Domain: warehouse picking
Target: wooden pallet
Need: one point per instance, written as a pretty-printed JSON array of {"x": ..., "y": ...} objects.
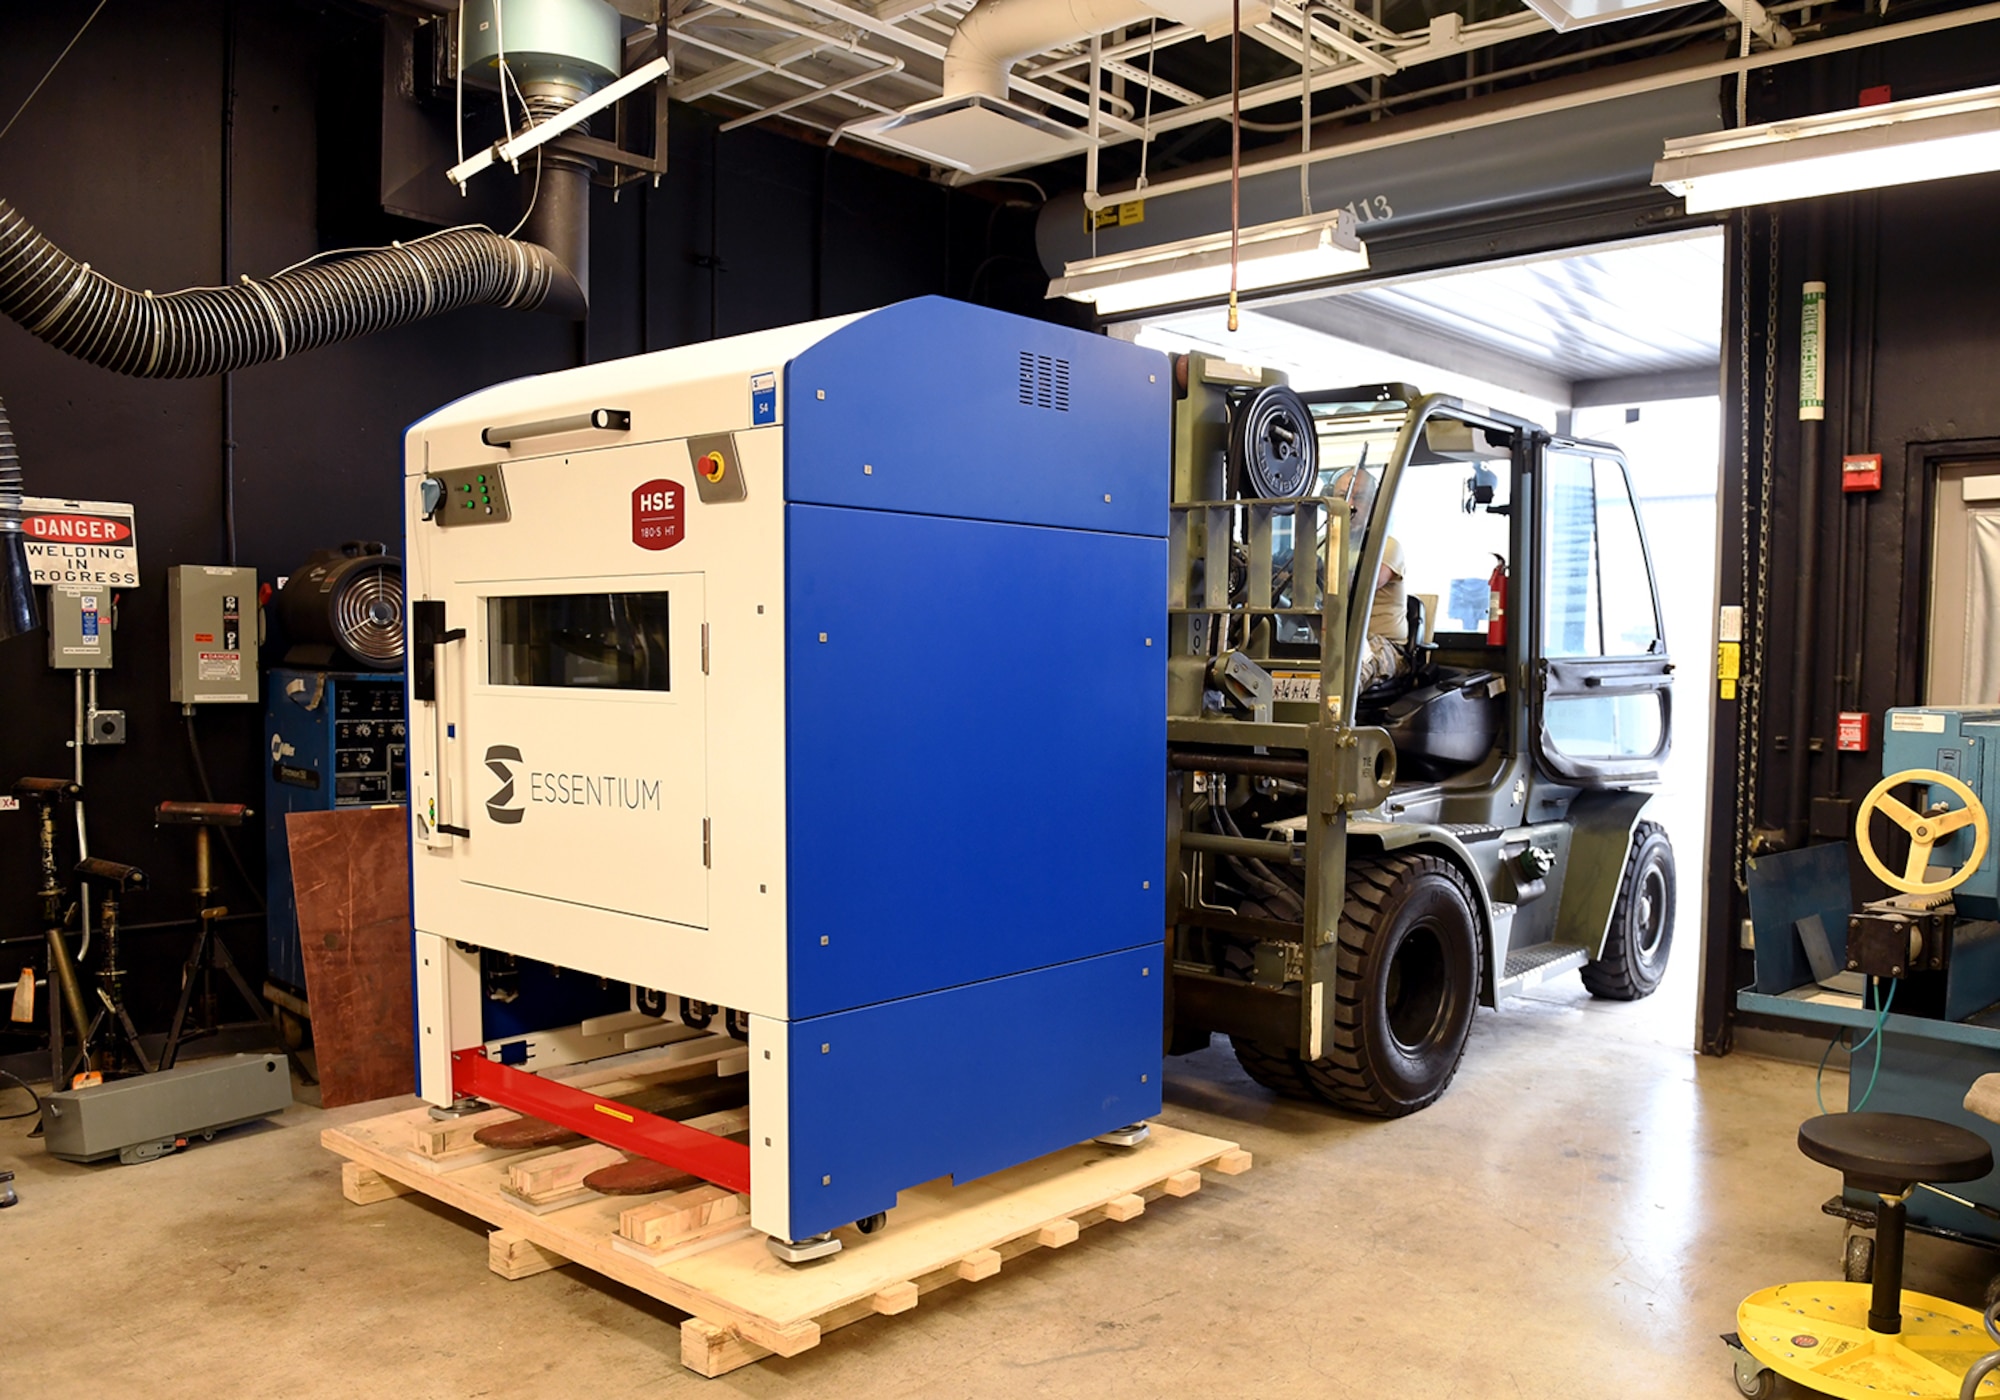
[{"x": 695, "y": 1250}]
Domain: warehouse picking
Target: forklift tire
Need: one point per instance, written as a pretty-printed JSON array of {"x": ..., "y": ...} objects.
[
  {"x": 1404, "y": 989},
  {"x": 1642, "y": 922},
  {"x": 1276, "y": 1070}
]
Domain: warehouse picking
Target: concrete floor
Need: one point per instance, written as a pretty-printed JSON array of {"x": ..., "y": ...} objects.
[{"x": 1579, "y": 1216}]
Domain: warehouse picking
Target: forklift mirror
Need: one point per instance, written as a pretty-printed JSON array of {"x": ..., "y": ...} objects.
[{"x": 1479, "y": 488}]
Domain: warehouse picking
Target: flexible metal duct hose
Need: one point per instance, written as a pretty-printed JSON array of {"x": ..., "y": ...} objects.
[
  {"x": 212, "y": 330},
  {"x": 18, "y": 612}
]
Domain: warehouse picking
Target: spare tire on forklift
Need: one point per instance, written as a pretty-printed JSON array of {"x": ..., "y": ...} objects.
[
  {"x": 1642, "y": 922},
  {"x": 1405, "y": 987}
]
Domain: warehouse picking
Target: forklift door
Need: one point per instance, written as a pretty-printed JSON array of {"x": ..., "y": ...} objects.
[{"x": 1604, "y": 679}]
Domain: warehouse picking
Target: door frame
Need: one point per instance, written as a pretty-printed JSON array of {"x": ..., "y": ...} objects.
[{"x": 1923, "y": 465}]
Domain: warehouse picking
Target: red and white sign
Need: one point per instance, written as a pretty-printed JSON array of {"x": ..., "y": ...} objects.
[
  {"x": 1851, "y": 735},
  {"x": 1862, "y": 472},
  {"x": 659, "y": 514},
  {"x": 80, "y": 542}
]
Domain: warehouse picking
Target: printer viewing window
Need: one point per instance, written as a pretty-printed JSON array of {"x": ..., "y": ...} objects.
[{"x": 591, "y": 641}]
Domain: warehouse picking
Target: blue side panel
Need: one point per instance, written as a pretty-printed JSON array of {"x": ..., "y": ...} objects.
[
  {"x": 975, "y": 783},
  {"x": 941, "y": 408},
  {"x": 968, "y": 1082}
]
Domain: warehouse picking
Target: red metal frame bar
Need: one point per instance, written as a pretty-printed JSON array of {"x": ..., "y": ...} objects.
[{"x": 705, "y": 1155}]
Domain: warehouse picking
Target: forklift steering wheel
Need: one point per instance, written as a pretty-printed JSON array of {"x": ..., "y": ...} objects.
[{"x": 1926, "y": 830}]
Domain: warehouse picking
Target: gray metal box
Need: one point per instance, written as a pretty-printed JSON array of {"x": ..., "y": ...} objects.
[
  {"x": 212, "y": 622},
  {"x": 144, "y": 1117},
  {"x": 79, "y": 627}
]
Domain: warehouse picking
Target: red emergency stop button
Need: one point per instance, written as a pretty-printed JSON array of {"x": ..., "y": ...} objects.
[{"x": 712, "y": 466}]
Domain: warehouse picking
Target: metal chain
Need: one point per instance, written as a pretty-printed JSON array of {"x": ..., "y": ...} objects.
[
  {"x": 1749, "y": 730},
  {"x": 1741, "y": 849}
]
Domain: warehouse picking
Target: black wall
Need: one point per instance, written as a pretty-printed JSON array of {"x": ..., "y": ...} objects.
[
  {"x": 120, "y": 161},
  {"x": 1912, "y": 372}
]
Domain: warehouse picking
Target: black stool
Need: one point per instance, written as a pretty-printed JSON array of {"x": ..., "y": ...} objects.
[{"x": 1889, "y": 1154}]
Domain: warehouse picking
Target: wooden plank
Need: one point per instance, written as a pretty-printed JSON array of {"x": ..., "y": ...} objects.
[
  {"x": 1123, "y": 1208},
  {"x": 981, "y": 1263},
  {"x": 1058, "y": 1233},
  {"x": 791, "y": 1340},
  {"x": 365, "y": 1187},
  {"x": 559, "y": 1173},
  {"x": 513, "y": 1255},
  {"x": 657, "y": 1223},
  {"x": 351, "y": 881},
  {"x": 1182, "y": 1183},
  {"x": 711, "y": 1350},
  {"x": 896, "y": 1298},
  {"x": 440, "y": 1137},
  {"x": 1234, "y": 1162}
]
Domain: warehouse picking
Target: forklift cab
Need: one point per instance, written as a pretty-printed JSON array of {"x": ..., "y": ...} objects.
[{"x": 1573, "y": 565}]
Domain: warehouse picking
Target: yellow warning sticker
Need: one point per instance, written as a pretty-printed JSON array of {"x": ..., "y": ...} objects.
[
  {"x": 1727, "y": 690},
  {"x": 1132, "y": 211},
  {"x": 1728, "y": 661}
]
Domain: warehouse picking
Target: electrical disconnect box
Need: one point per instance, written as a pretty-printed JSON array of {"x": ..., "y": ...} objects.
[
  {"x": 79, "y": 628},
  {"x": 212, "y": 660}
]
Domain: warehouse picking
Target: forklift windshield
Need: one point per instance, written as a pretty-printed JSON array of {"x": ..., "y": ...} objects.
[{"x": 1448, "y": 520}]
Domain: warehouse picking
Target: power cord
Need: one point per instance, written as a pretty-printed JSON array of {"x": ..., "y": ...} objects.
[
  {"x": 1881, "y": 1017},
  {"x": 25, "y": 1087}
]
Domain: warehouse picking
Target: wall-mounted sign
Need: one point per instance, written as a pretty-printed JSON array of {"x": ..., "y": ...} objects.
[{"x": 80, "y": 542}]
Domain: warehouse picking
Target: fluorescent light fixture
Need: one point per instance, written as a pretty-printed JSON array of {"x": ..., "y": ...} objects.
[
  {"x": 1270, "y": 255},
  {"x": 1864, "y": 148}
]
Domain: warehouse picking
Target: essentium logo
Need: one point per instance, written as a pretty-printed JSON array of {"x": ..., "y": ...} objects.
[
  {"x": 546, "y": 789},
  {"x": 500, "y": 806}
]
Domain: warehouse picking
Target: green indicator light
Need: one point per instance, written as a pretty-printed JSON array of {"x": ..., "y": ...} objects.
[
  {"x": 466, "y": 504},
  {"x": 482, "y": 478}
]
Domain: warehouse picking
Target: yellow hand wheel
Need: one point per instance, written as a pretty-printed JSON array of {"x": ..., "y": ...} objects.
[{"x": 1925, "y": 829}]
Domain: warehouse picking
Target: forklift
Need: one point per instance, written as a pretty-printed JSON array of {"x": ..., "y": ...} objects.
[{"x": 1351, "y": 870}]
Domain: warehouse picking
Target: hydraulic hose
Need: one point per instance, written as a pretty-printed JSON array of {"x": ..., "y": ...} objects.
[
  {"x": 18, "y": 612},
  {"x": 212, "y": 330}
]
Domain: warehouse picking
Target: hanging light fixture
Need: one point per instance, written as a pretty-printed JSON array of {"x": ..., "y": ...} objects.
[
  {"x": 1268, "y": 255},
  {"x": 1863, "y": 148}
]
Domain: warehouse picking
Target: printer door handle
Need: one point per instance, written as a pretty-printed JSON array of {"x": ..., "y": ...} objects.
[
  {"x": 602, "y": 420},
  {"x": 428, "y": 637}
]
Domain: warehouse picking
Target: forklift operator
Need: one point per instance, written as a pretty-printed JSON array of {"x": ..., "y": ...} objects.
[{"x": 1388, "y": 621}]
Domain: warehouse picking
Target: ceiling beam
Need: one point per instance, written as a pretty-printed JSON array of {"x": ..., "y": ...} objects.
[
  {"x": 1353, "y": 320},
  {"x": 1699, "y": 382}
]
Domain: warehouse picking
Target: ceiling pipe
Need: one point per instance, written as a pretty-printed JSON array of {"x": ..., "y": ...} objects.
[{"x": 997, "y": 34}]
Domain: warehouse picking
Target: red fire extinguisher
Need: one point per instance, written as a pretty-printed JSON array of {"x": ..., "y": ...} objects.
[{"x": 1496, "y": 603}]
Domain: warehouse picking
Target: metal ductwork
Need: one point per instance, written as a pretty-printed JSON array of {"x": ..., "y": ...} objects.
[
  {"x": 562, "y": 51},
  {"x": 975, "y": 127},
  {"x": 1405, "y": 179},
  {"x": 997, "y": 34}
]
